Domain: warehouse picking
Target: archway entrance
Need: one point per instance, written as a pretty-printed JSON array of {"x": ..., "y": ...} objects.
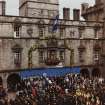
[
  {"x": 96, "y": 72},
  {"x": 84, "y": 73},
  {"x": 1, "y": 82},
  {"x": 12, "y": 81}
]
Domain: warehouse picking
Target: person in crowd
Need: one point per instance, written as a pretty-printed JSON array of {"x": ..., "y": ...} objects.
[{"x": 71, "y": 89}]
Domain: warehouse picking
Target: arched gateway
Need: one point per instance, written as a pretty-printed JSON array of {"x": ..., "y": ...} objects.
[
  {"x": 12, "y": 81},
  {"x": 1, "y": 82},
  {"x": 96, "y": 72},
  {"x": 84, "y": 72}
]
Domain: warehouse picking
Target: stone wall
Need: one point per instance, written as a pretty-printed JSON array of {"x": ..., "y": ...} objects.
[{"x": 71, "y": 36}]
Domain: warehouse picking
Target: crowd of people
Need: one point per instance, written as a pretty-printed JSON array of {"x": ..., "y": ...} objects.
[{"x": 72, "y": 89}]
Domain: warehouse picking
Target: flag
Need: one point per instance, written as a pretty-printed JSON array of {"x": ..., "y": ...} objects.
[{"x": 55, "y": 23}]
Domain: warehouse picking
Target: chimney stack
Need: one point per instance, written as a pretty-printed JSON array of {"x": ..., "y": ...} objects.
[
  {"x": 66, "y": 13},
  {"x": 76, "y": 14},
  {"x": 2, "y": 7},
  {"x": 97, "y": 2},
  {"x": 84, "y": 7}
]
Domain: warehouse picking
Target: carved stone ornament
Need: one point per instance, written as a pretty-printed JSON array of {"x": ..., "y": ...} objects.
[
  {"x": 17, "y": 48},
  {"x": 17, "y": 22},
  {"x": 30, "y": 31}
]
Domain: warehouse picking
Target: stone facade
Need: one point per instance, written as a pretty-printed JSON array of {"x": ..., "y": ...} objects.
[
  {"x": 28, "y": 41},
  {"x": 93, "y": 13},
  {"x": 39, "y": 8}
]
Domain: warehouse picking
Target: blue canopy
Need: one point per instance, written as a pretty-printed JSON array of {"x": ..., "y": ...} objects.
[{"x": 49, "y": 72}]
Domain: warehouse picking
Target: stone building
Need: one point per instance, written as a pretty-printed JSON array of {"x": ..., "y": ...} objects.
[
  {"x": 93, "y": 13},
  {"x": 27, "y": 40}
]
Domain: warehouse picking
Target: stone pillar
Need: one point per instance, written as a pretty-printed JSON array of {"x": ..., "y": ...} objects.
[
  {"x": 90, "y": 72},
  {"x": 103, "y": 46},
  {"x": 4, "y": 79}
]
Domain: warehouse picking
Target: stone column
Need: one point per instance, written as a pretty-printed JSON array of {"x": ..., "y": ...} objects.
[
  {"x": 103, "y": 47},
  {"x": 4, "y": 79}
]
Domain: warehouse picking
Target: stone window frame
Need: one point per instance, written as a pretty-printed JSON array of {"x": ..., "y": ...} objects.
[
  {"x": 81, "y": 56},
  {"x": 41, "y": 28},
  {"x": 62, "y": 55},
  {"x": 17, "y": 52},
  {"x": 97, "y": 27},
  {"x": 81, "y": 52},
  {"x": 16, "y": 31},
  {"x": 17, "y": 28},
  {"x": 62, "y": 32},
  {"x": 50, "y": 25},
  {"x": 62, "y": 29},
  {"x": 41, "y": 56},
  {"x": 96, "y": 53},
  {"x": 81, "y": 29}
]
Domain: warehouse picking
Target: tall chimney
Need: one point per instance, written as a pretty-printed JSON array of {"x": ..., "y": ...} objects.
[
  {"x": 84, "y": 7},
  {"x": 66, "y": 13},
  {"x": 76, "y": 14},
  {"x": 2, "y": 7},
  {"x": 97, "y": 2}
]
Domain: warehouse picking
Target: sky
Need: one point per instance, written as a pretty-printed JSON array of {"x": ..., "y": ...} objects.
[{"x": 12, "y": 5}]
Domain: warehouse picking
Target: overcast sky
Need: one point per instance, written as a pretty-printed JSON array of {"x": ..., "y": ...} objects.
[{"x": 12, "y": 5}]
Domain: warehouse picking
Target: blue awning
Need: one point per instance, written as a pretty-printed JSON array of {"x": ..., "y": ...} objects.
[{"x": 49, "y": 72}]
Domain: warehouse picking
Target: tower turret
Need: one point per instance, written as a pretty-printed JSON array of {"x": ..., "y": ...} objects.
[{"x": 38, "y": 8}]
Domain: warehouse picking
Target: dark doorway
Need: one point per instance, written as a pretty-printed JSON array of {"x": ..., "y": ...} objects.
[
  {"x": 84, "y": 73},
  {"x": 12, "y": 81},
  {"x": 96, "y": 72},
  {"x": 1, "y": 82}
]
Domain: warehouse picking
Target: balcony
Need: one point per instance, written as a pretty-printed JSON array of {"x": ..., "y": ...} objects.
[{"x": 52, "y": 61}]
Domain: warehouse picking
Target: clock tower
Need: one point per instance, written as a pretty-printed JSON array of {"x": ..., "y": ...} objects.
[{"x": 39, "y": 8}]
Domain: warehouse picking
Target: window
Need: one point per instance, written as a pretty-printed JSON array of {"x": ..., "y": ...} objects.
[
  {"x": 50, "y": 26},
  {"x": 41, "y": 28},
  {"x": 81, "y": 56},
  {"x": 17, "y": 55},
  {"x": 96, "y": 30},
  {"x": 41, "y": 56},
  {"x": 52, "y": 54},
  {"x": 16, "y": 31},
  {"x": 81, "y": 30},
  {"x": 96, "y": 56},
  {"x": 17, "y": 59},
  {"x": 62, "y": 32},
  {"x": 80, "y": 33},
  {"x": 41, "y": 31},
  {"x": 61, "y": 55}
]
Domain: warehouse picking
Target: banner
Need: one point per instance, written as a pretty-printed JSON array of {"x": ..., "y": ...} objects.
[{"x": 50, "y": 72}]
